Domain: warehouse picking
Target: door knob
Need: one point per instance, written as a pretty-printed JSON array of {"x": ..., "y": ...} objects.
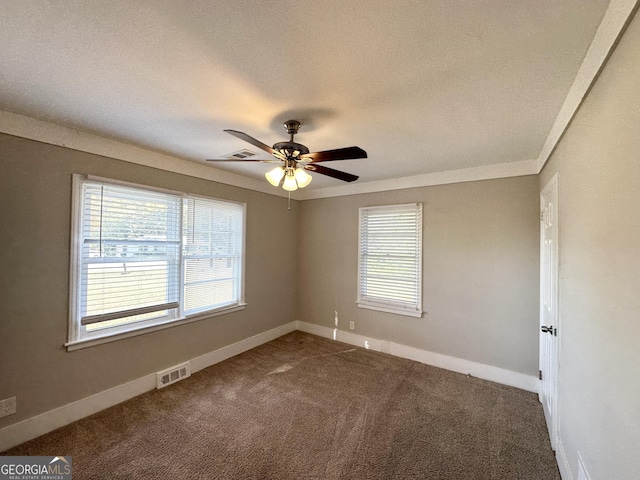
[{"x": 546, "y": 329}]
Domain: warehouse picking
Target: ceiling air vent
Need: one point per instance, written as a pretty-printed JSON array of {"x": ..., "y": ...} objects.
[
  {"x": 173, "y": 374},
  {"x": 240, "y": 154}
]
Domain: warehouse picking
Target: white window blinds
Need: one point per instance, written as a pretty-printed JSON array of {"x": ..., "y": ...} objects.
[
  {"x": 130, "y": 242},
  {"x": 143, "y": 257},
  {"x": 213, "y": 233},
  {"x": 390, "y": 259}
]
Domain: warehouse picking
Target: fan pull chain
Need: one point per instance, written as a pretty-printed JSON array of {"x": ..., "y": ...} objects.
[{"x": 289, "y": 204}]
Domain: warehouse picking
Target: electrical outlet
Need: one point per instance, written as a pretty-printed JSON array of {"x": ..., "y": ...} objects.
[
  {"x": 7, "y": 406},
  {"x": 352, "y": 325}
]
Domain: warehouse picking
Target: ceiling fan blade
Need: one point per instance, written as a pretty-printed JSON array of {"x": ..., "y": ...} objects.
[
  {"x": 240, "y": 160},
  {"x": 346, "y": 177},
  {"x": 254, "y": 142},
  {"x": 347, "y": 153}
]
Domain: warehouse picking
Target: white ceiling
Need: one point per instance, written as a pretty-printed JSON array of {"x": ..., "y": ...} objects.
[{"x": 423, "y": 86}]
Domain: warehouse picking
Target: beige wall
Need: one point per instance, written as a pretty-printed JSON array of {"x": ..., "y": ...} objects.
[
  {"x": 481, "y": 273},
  {"x": 35, "y": 214},
  {"x": 480, "y": 264},
  {"x": 598, "y": 161}
]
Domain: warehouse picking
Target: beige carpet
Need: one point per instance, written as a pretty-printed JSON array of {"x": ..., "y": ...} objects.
[{"x": 303, "y": 407}]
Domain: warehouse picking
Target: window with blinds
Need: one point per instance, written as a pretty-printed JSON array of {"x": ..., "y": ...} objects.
[
  {"x": 129, "y": 261},
  {"x": 143, "y": 257},
  {"x": 390, "y": 259},
  {"x": 212, "y": 254}
]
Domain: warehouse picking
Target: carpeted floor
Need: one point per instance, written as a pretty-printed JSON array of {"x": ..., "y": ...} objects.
[{"x": 303, "y": 407}]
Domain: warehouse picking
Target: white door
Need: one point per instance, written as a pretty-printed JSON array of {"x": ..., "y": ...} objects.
[{"x": 549, "y": 328}]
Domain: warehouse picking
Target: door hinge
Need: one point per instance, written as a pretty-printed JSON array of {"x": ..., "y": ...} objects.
[{"x": 539, "y": 374}]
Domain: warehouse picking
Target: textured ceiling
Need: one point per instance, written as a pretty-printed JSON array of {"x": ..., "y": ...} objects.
[{"x": 423, "y": 86}]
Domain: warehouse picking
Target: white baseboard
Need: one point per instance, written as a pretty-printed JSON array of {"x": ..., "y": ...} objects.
[
  {"x": 563, "y": 462},
  {"x": 211, "y": 358},
  {"x": 33, "y": 427},
  {"x": 46, "y": 422},
  {"x": 486, "y": 372}
]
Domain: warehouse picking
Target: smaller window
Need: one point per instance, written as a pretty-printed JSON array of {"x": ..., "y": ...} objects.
[{"x": 390, "y": 259}]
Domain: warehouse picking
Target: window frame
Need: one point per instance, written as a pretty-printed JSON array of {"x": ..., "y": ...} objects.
[
  {"x": 78, "y": 338},
  {"x": 390, "y": 305}
]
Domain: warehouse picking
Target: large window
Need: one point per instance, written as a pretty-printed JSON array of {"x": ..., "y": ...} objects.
[
  {"x": 390, "y": 259},
  {"x": 143, "y": 258}
]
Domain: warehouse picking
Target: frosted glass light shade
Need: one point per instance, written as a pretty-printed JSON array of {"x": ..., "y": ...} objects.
[
  {"x": 302, "y": 177},
  {"x": 290, "y": 183},
  {"x": 274, "y": 176}
]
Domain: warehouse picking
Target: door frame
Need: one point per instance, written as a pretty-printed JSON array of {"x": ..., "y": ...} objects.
[{"x": 552, "y": 421}]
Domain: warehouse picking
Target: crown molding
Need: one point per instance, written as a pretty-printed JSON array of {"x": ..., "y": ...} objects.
[
  {"x": 51, "y": 133},
  {"x": 54, "y": 134},
  {"x": 487, "y": 172},
  {"x": 614, "y": 22}
]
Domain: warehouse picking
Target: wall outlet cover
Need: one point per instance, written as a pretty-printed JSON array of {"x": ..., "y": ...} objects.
[{"x": 7, "y": 406}]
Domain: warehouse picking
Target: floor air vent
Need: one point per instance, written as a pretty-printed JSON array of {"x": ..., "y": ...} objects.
[{"x": 173, "y": 374}]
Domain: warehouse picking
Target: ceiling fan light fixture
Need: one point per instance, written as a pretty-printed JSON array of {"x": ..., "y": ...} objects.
[
  {"x": 290, "y": 182},
  {"x": 302, "y": 178},
  {"x": 274, "y": 176},
  {"x": 296, "y": 159}
]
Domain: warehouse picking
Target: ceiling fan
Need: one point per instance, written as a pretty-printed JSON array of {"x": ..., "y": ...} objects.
[{"x": 296, "y": 159}]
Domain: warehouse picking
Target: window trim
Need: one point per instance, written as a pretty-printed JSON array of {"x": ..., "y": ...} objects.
[
  {"x": 389, "y": 306},
  {"x": 168, "y": 323},
  {"x": 145, "y": 326}
]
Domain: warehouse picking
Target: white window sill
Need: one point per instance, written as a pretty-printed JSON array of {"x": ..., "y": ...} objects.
[
  {"x": 107, "y": 337},
  {"x": 390, "y": 309}
]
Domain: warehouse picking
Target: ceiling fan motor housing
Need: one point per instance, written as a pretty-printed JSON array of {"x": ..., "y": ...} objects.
[{"x": 288, "y": 148}]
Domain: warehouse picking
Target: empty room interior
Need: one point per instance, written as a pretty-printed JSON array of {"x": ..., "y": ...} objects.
[{"x": 321, "y": 239}]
